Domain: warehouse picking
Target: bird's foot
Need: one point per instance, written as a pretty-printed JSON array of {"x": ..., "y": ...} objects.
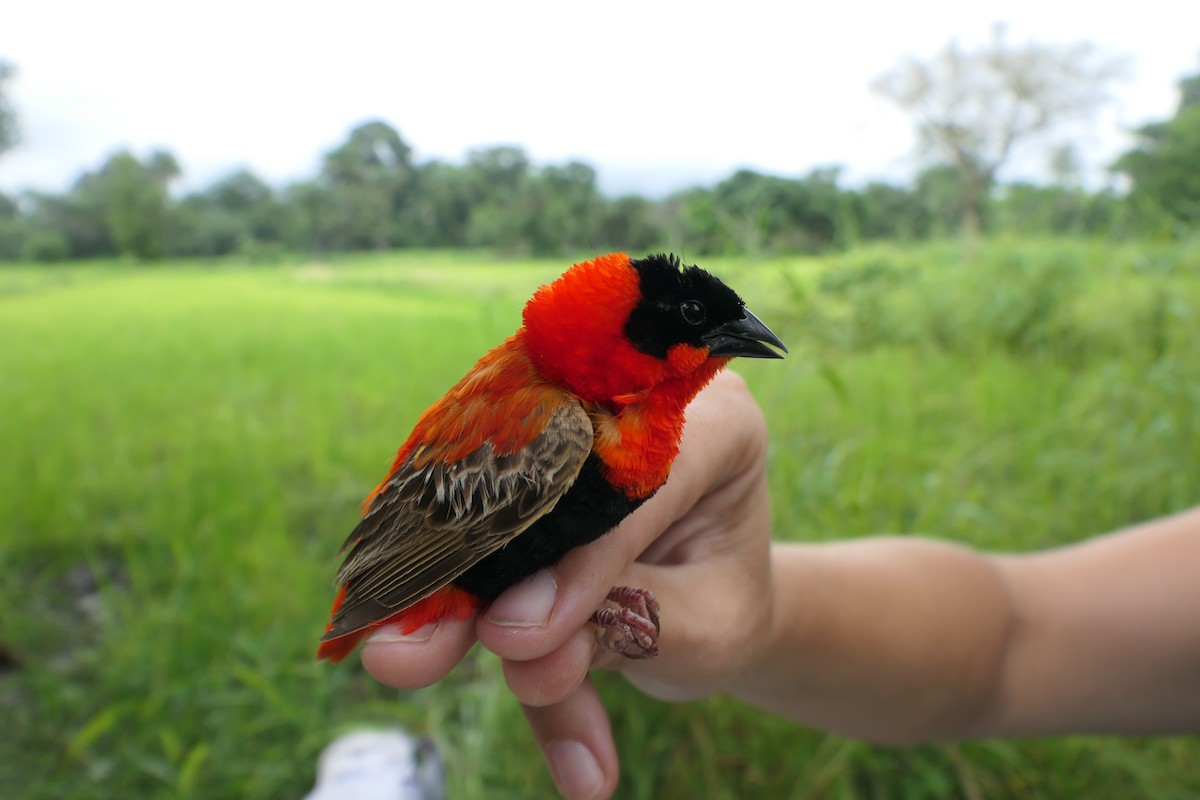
[{"x": 628, "y": 623}]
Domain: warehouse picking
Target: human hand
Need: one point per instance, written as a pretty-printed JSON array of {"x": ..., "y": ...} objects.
[{"x": 701, "y": 544}]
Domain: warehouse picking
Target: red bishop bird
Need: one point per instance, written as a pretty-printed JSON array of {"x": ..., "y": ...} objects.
[{"x": 546, "y": 444}]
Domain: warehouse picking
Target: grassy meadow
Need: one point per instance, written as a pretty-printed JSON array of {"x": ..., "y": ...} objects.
[{"x": 185, "y": 447}]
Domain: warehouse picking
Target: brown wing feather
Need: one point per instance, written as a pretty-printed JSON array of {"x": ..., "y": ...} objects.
[{"x": 429, "y": 525}]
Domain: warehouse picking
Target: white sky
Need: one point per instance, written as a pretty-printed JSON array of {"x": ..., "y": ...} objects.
[{"x": 655, "y": 95}]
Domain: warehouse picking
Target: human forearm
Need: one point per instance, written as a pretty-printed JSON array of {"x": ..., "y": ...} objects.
[
  {"x": 892, "y": 640},
  {"x": 908, "y": 640},
  {"x": 1107, "y": 639}
]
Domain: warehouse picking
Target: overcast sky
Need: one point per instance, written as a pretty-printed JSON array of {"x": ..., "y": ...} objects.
[{"x": 655, "y": 95}]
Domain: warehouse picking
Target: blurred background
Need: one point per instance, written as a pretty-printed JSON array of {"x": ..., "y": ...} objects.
[{"x": 242, "y": 246}]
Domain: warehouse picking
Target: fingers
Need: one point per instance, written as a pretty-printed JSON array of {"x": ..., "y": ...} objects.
[
  {"x": 678, "y": 544},
  {"x": 564, "y": 712},
  {"x": 535, "y": 617},
  {"x": 553, "y": 677},
  {"x": 558, "y": 600},
  {"x": 418, "y": 659},
  {"x": 576, "y": 741}
]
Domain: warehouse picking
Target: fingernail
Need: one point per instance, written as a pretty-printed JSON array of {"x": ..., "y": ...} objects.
[
  {"x": 528, "y": 604},
  {"x": 393, "y": 633},
  {"x": 574, "y": 768}
]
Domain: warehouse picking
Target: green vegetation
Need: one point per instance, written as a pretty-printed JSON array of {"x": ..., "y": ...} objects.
[
  {"x": 9, "y": 135},
  {"x": 973, "y": 109},
  {"x": 1165, "y": 167},
  {"x": 185, "y": 449}
]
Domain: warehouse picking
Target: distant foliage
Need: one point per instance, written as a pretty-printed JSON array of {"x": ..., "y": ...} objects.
[
  {"x": 9, "y": 134},
  {"x": 371, "y": 195},
  {"x": 1033, "y": 300},
  {"x": 1165, "y": 165},
  {"x": 45, "y": 247},
  {"x": 973, "y": 109}
]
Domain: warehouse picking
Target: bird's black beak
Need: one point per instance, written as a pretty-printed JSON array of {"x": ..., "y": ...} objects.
[{"x": 746, "y": 337}]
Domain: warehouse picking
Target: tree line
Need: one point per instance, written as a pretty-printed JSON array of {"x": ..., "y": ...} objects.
[{"x": 370, "y": 193}]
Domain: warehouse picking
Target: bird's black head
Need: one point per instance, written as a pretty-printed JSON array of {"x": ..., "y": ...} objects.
[{"x": 686, "y": 305}]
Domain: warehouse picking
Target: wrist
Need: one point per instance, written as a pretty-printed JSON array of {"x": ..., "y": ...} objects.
[{"x": 773, "y": 662}]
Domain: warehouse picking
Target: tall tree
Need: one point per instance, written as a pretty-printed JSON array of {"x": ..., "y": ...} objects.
[
  {"x": 1189, "y": 92},
  {"x": 132, "y": 198},
  {"x": 498, "y": 180},
  {"x": 440, "y": 207},
  {"x": 9, "y": 134},
  {"x": 939, "y": 193},
  {"x": 235, "y": 213},
  {"x": 564, "y": 209},
  {"x": 370, "y": 174},
  {"x": 629, "y": 222},
  {"x": 751, "y": 213},
  {"x": 312, "y": 219},
  {"x": 974, "y": 108},
  {"x": 77, "y": 217},
  {"x": 1165, "y": 165},
  {"x": 891, "y": 212},
  {"x": 497, "y": 174}
]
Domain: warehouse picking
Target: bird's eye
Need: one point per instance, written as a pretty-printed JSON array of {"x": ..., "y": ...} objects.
[{"x": 692, "y": 312}]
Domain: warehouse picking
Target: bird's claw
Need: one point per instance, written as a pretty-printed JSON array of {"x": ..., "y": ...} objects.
[{"x": 629, "y": 626}]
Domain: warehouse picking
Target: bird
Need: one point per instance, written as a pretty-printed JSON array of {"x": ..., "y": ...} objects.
[{"x": 545, "y": 445}]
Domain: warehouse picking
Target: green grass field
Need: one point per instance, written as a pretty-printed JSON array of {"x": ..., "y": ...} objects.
[{"x": 185, "y": 446}]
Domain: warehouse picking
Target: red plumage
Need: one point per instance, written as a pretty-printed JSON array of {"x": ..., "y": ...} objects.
[{"x": 545, "y": 444}]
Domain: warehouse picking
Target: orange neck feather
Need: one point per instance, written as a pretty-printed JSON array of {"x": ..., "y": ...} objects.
[{"x": 639, "y": 442}]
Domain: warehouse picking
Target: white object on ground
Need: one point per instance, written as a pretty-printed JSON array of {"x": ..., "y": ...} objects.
[{"x": 379, "y": 765}]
